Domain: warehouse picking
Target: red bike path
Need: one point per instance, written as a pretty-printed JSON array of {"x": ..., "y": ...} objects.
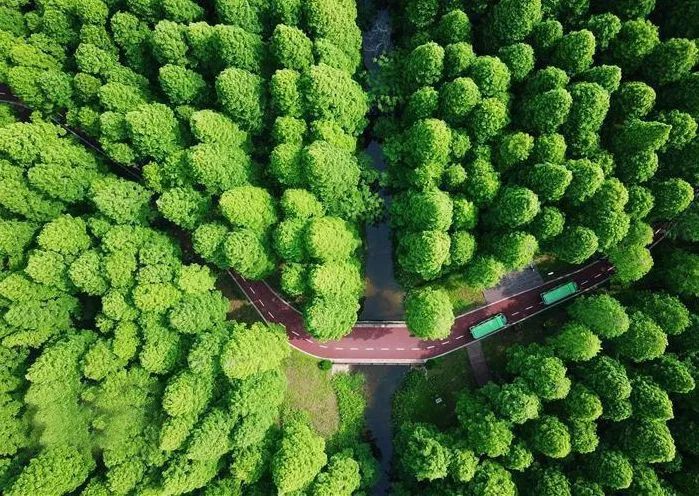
[{"x": 391, "y": 342}]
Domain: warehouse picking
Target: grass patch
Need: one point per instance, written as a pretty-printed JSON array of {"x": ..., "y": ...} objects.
[
  {"x": 351, "y": 404},
  {"x": 311, "y": 390},
  {"x": 532, "y": 330},
  {"x": 444, "y": 378},
  {"x": 463, "y": 298}
]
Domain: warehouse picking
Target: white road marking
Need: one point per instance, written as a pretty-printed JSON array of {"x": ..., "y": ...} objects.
[
  {"x": 385, "y": 349},
  {"x": 369, "y": 349},
  {"x": 252, "y": 290},
  {"x": 295, "y": 333},
  {"x": 529, "y": 307},
  {"x": 322, "y": 346},
  {"x": 460, "y": 337},
  {"x": 445, "y": 342},
  {"x": 597, "y": 275},
  {"x": 270, "y": 314},
  {"x": 610, "y": 269},
  {"x": 430, "y": 347},
  {"x": 339, "y": 348},
  {"x": 306, "y": 339},
  {"x": 415, "y": 349},
  {"x": 584, "y": 282},
  {"x": 354, "y": 349},
  {"x": 400, "y": 349},
  {"x": 261, "y": 302},
  {"x": 515, "y": 313}
]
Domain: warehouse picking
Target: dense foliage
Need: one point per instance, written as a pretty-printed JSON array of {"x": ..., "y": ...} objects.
[
  {"x": 515, "y": 128},
  {"x": 607, "y": 403},
  {"x": 119, "y": 371},
  {"x": 242, "y": 118}
]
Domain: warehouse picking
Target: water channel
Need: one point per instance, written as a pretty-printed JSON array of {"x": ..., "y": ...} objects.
[{"x": 383, "y": 295}]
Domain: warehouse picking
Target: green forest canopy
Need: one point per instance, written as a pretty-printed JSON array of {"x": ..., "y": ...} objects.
[{"x": 511, "y": 128}]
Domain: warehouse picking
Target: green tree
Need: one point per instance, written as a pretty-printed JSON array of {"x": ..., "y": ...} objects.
[
  {"x": 575, "y": 245},
  {"x": 245, "y": 252},
  {"x": 492, "y": 479},
  {"x": 483, "y": 272},
  {"x": 457, "y": 98},
  {"x": 426, "y": 456},
  {"x": 575, "y": 343},
  {"x": 644, "y": 340},
  {"x": 425, "y": 64},
  {"x": 299, "y": 457},
  {"x": 574, "y": 52},
  {"x": 667, "y": 310},
  {"x": 514, "y": 402},
  {"x": 550, "y": 436},
  {"x": 609, "y": 468},
  {"x": 429, "y": 313},
  {"x": 512, "y": 20},
  {"x": 582, "y": 404},
  {"x": 241, "y": 357},
  {"x": 515, "y": 250},
  {"x": 649, "y": 400},
  {"x": 342, "y": 477},
  {"x": 513, "y": 207},
  {"x": 485, "y": 433},
  {"x": 671, "y": 197},
  {"x": 55, "y": 470},
  {"x": 184, "y": 207},
  {"x": 678, "y": 272},
  {"x": 631, "y": 263},
  {"x": 604, "y": 315},
  {"x": 648, "y": 441},
  {"x": 549, "y": 181},
  {"x": 423, "y": 253},
  {"x": 672, "y": 374},
  {"x": 331, "y": 317},
  {"x": 242, "y": 97}
]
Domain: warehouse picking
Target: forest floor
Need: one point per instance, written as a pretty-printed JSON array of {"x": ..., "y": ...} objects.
[
  {"x": 429, "y": 393},
  {"x": 464, "y": 298},
  {"x": 240, "y": 308},
  {"x": 533, "y": 330}
]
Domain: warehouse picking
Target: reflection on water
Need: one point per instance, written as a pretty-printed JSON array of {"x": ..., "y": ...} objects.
[
  {"x": 381, "y": 383},
  {"x": 383, "y": 295}
]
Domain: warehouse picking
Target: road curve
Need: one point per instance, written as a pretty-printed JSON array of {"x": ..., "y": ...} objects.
[{"x": 391, "y": 342}]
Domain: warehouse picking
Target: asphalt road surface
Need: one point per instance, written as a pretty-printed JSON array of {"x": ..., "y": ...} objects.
[{"x": 390, "y": 342}]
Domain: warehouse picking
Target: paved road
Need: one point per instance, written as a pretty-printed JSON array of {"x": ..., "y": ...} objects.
[{"x": 390, "y": 342}]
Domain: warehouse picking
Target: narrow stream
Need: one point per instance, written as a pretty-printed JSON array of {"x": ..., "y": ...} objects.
[
  {"x": 381, "y": 382},
  {"x": 383, "y": 295}
]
